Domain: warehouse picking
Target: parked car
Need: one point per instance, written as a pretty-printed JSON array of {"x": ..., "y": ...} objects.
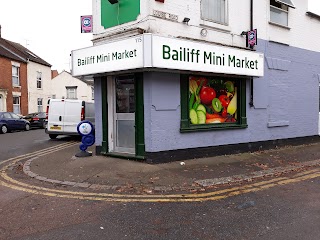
[
  {"x": 10, "y": 122},
  {"x": 37, "y": 119}
]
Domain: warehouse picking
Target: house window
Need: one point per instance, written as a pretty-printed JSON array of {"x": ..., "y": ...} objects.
[
  {"x": 15, "y": 76},
  {"x": 214, "y": 10},
  {"x": 210, "y": 103},
  {"x": 279, "y": 10},
  {"x": 71, "y": 92},
  {"x": 39, "y": 80},
  {"x": 16, "y": 105},
  {"x": 40, "y": 108}
]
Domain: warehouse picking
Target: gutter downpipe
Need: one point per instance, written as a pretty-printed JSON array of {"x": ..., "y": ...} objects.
[{"x": 251, "y": 78}]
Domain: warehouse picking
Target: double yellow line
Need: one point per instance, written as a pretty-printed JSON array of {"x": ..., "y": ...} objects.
[
  {"x": 39, "y": 153},
  {"x": 7, "y": 181}
]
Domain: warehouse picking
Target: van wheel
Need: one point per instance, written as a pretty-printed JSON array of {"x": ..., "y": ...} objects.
[
  {"x": 4, "y": 129},
  {"x": 27, "y": 128},
  {"x": 53, "y": 136}
]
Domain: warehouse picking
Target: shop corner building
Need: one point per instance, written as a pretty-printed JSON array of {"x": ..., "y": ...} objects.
[{"x": 175, "y": 79}]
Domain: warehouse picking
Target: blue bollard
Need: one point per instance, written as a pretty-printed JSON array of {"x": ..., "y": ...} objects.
[{"x": 86, "y": 130}]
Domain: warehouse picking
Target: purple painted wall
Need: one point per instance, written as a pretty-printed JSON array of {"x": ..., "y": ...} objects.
[{"x": 286, "y": 103}]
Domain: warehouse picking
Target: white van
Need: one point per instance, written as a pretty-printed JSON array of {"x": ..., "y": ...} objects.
[{"x": 64, "y": 115}]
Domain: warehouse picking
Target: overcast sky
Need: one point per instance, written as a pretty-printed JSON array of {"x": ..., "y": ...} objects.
[{"x": 51, "y": 28}]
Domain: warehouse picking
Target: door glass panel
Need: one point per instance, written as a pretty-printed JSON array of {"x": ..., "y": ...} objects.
[
  {"x": 125, "y": 114},
  {"x": 125, "y": 96},
  {"x": 125, "y": 133}
]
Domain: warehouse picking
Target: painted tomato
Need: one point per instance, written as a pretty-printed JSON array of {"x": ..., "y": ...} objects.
[
  {"x": 224, "y": 113},
  {"x": 203, "y": 80},
  {"x": 207, "y": 94},
  {"x": 224, "y": 100}
]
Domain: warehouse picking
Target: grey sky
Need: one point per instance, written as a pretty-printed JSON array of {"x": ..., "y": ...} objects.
[{"x": 51, "y": 29}]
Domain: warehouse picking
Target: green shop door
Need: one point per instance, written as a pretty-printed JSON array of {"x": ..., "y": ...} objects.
[{"x": 121, "y": 109}]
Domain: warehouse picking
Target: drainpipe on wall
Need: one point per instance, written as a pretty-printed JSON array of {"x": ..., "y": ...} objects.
[{"x": 251, "y": 78}]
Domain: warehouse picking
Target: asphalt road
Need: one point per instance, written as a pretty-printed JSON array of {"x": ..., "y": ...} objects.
[
  {"x": 290, "y": 211},
  {"x": 21, "y": 142}
]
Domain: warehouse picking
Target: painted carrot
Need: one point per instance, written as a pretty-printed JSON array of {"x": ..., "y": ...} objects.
[
  {"x": 212, "y": 116},
  {"x": 216, "y": 120}
]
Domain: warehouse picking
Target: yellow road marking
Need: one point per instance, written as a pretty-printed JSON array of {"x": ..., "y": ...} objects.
[
  {"x": 27, "y": 155},
  {"x": 6, "y": 177},
  {"x": 155, "y": 198},
  {"x": 193, "y": 195},
  {"x": 240, "y": 190}
]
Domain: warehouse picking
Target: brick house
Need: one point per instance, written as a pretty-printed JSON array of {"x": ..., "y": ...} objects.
[
  {"x": 38, "y": 78},
  {"x": 13, "y": 80},
  {"x": 24, "y": 81}
]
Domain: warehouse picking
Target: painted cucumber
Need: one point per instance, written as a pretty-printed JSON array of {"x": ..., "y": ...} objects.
[
  {"x": 201, "y": 117},
  {"x": 201, "y": 108},
  {"x": 193, "y": 116}
]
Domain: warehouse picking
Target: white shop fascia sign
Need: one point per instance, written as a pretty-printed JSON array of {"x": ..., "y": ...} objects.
[
  {"x": 151, "y": 51},
  {"x": 110, "y": 57}
]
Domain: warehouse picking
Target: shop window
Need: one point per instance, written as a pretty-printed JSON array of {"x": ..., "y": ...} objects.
[
  {"x": 279, "y": 10},
  {"x": 16, "y": 105},
  {"x": 40, "y": 107},
  {"x": 15, "y": 76},
  {"x": 39, "y": 80},
  {"x": 71, "y": 92},
  {"x": 214, "y": 10},
  {"x": 209, "y": 103}
]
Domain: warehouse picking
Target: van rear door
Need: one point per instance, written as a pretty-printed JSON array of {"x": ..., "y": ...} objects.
[
  {"x": 55, "y": 121},
  {"x": 72, "y": 115}
]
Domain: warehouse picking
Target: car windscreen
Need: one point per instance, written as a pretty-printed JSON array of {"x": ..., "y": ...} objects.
[{"x": 42, "y": 114}]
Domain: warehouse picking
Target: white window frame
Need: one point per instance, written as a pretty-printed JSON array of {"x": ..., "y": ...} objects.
[
  {"x": 71, "y": 92},
  {"x": 40, "y": 104},
  {"x": 213, "y": 16},
  {"x": 39, "y": 80},
  {"x": 277, "y": 11},
  {"x": 15, "y": 75},
  {"x": 16, "y": 106}
]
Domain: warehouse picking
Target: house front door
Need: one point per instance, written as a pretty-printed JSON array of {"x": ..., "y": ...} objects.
[{"x": 2, "y": 103}]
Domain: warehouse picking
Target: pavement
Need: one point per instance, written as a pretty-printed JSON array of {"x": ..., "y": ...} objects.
[{"x": 108, "y": 174}]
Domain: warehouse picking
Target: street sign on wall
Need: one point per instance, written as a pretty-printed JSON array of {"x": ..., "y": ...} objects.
[{"x": 86, "y": 24}]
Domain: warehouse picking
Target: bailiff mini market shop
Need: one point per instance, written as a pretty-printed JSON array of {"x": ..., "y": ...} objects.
[{"x": 162, "y": 99}]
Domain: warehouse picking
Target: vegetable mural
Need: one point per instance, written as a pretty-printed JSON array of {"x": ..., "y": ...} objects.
[{"x": 212, "y": 101}]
